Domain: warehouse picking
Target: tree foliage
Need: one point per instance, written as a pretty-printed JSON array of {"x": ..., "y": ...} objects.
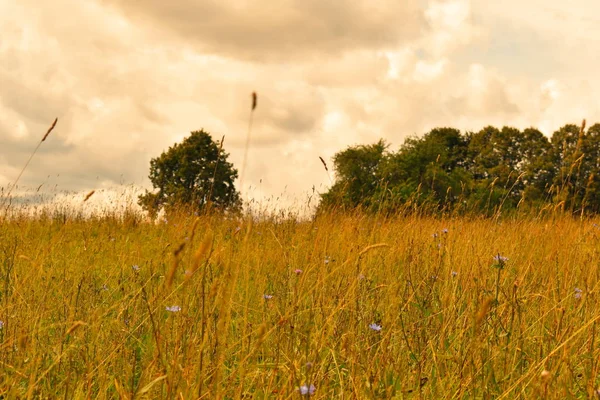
[
  {"x": 490, "y": 171},
  {"x": 193, "y": 173}
]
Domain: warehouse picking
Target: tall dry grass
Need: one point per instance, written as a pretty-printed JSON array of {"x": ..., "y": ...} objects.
[
  {"x": 340, "y": 307},
  {"x": 6, "y": 200}
]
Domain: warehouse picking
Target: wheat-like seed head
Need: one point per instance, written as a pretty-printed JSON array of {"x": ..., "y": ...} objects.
[{"x": 87, "y": 196}]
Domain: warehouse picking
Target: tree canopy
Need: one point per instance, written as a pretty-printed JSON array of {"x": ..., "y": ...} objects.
[
  {"x": 193, "y": 173},
  {"x": 490, "y": 171}
]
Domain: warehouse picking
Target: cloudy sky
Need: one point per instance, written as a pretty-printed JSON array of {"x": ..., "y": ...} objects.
[{"x": 127, "y": 79}]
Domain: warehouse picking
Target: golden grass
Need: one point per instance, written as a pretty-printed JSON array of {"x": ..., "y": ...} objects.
[
  {"x": 103, "y": 308},
  {"x": 7, "y": 198}
]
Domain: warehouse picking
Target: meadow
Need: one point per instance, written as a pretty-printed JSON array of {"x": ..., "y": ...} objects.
[{"x": 340, "y": 306}]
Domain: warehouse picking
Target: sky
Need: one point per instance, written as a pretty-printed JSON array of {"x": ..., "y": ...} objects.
[{"x": 127, "y": 79}]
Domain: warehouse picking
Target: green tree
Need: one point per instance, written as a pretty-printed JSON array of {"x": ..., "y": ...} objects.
[
  {"x": 428, "y": 170},
  {"x": 193, "y": 173},
  {"x": 566, "y": 155},
  {"x": 576, "y": 156},
  {"x": 490, "y": 171},
  {"x": 537, "y": 166},
  {"x": 591, "y": 165},
  {"x": 357, "y": 176},
  {"x": 497, "y": 161}
]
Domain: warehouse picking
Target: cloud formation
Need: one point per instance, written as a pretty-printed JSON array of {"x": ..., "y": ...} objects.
[
  {"x": 282, "y": 31},
  {"x": 129, "y": 79}
]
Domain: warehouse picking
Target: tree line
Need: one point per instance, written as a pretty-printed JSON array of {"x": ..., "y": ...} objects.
[{"x": 486, "y": 172}]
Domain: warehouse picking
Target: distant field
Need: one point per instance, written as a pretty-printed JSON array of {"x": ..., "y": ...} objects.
[{"x": 351, "y": 307}]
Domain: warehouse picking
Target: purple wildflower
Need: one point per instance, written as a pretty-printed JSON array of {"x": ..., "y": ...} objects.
[
  {"x": 173, "y": 308},
  {"x": 267, "y": 296},
  {"x": 307, "y": 390},
  {"x": 298, "y": 271},
  {"x": 500, "y": 259},
  {"x": 578, "y": 293},
  {"x": 375, "y": 327},
  {"x": 445, "y": 230},
  {"x": 454, "y": 274},
  {"x": 136, "y": 268}
]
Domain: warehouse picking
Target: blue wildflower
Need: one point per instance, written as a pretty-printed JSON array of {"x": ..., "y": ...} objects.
[
  {"x": 308, "y": 390},
  {"x": 375, "y": 327}
]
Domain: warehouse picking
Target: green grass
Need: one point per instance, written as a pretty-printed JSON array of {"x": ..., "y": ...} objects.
[{"x": 80, "y": 322}]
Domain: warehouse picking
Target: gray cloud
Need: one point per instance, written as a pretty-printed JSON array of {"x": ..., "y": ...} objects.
[{"x": 282, "y": 31}]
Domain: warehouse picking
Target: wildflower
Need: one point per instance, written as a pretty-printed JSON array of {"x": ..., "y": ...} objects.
[
  {"x": 375, "y": 327},
  {"x": 267, "y": 296},
  {"x": 307, "y": 390},
  {"x": 435, "y": 235},
  {"x": 136, "y": 268},
  {"x": 546, "y": 375},
  {"x": 298, "y": 271},
  {"x": 239, "y": 228},
  {"x": 308, "y": 365},
  {"x": 454, "y": 274},
  {"x": 327, "y": 260},
  {"x": 1, "y": 324},
  {"x": 445, "y": 230},
  {"x": 500, "y": 259},
  {"x": 173, "y": 308},
  {"x": 361, "y": 277},
  {"x": 104, "y": 288},
  {"x": 578, "y": 293}
]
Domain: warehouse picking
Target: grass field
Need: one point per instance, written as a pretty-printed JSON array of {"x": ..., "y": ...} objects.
[{"x": 342, "y": 306}]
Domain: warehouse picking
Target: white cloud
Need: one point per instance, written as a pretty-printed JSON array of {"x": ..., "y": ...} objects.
[
  {"x": 425, "y": 71},
  {"x": 127, "y": 80},
  {"x": 451, "y": 26}
]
